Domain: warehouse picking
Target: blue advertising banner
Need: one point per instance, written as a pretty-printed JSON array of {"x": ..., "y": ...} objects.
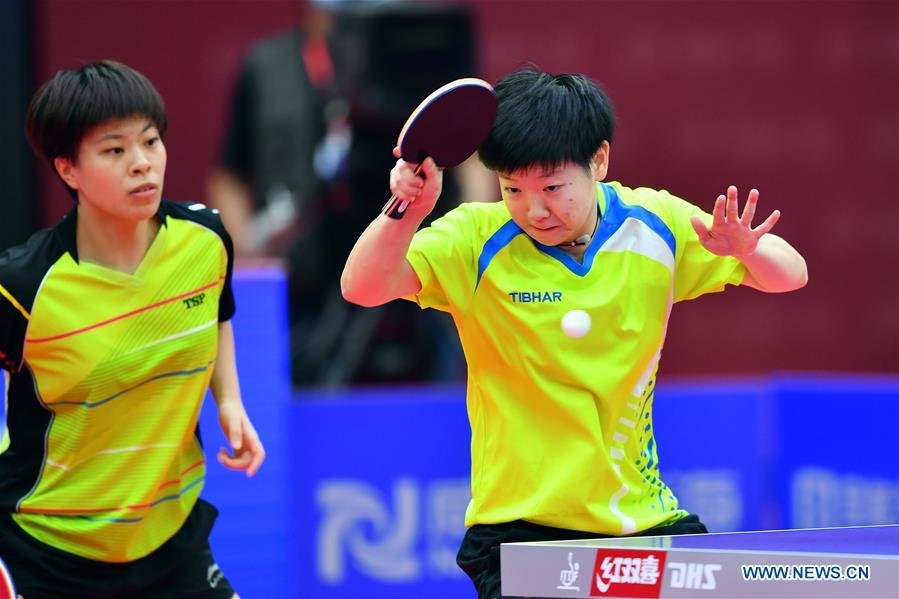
[
  {"x": 380, "y": 490},
  {"x": 838, "y": 462}
]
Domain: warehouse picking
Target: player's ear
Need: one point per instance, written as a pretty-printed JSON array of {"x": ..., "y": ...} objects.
[
  {"x": 600, "y": 163},
  {"x": 65, "y": 169}
]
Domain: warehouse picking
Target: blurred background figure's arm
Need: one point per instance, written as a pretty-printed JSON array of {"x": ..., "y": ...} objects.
[
  {"x": 233, "y": 198},
  {"x": 228, "y": 188}
]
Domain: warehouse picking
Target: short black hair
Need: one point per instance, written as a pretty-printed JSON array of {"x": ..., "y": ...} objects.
[
  {"x": 65, "y": 108},
  {"x": 547, "y": 120}
]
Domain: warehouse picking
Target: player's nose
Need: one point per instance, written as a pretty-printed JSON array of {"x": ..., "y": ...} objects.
[
  {"x": 141, "y": 164},
  {"x": 537, "y": 210}
]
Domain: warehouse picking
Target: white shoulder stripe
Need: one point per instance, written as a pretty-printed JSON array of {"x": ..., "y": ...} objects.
[{"x": 636, "y": 236}]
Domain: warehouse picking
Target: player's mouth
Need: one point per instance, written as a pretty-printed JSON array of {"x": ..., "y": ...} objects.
[{"x": 144, "y": 191}]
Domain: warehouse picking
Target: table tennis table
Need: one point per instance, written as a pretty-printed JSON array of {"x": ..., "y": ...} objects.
[{"x": 823, "y": 562}]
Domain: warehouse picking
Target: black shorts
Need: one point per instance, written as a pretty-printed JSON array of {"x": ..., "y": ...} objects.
[
  {"x": 182, "y": 567},
  {"x": 479, "y": 555}
]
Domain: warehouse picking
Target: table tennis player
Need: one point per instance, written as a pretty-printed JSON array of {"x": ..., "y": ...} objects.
[
  {"x": 561, "y": 295},
  {"x": 113, "y": 325}
]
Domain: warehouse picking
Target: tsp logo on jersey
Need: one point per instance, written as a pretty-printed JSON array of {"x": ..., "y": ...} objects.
[
  {"x": 627, "y": 573},
  {"x": 524, "y": 297},
  {"x": 193, "y": 302}
]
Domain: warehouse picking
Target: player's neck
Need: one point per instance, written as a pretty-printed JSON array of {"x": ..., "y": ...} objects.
[
  {"x": 578, "y": 248},
  {"x": 115, "y": 244}
]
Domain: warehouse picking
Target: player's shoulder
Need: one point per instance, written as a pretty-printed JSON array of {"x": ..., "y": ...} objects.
[
  {"x": 645, "y": 197},
  {"x": 482, "y": 219},
  {"x": 24, "y": 267},
  {"x": 196, "y": 213},
  {"x": 667, "y": 206},
  {"x": 31, "y": 260}
]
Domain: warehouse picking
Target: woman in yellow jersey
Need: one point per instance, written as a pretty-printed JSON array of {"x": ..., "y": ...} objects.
[
  {"x": 113, "y": 325},
  {"x": 561, "y": 295}
]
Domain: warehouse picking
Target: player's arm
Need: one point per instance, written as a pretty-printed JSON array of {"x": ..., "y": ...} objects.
[
  {"x": 377, "y": 271},
  {"x": 772, "y": 264},
  {"x": 248, "y": 453}
]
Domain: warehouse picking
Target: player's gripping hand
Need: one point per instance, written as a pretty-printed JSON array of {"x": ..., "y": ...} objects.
[
  {"x": 732, "y": 234},
  {"x": 248, "y": 453},
  {"x": 422, "y": 190}
]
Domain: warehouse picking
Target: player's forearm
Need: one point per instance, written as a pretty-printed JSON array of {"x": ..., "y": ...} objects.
[
  {"x": 225, "y": 385},
  {"x": 775, "y": 266},
  {"x": 373, "y": 272}
]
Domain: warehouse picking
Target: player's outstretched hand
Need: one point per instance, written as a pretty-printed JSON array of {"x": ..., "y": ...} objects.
[
  {"x": 732, "y": 234},
  {"x": 421, "y": 191},
  {"x": 248, "y": 453}
]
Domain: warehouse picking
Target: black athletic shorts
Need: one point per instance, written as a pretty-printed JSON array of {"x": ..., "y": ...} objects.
[
  {"x": 479, "y": 554},
  {"x": 182, "y": 567}
]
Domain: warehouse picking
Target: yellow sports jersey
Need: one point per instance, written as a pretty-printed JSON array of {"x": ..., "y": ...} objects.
[
  {"x": 562, "y": 427},
  {"x": 100, "y": 457}
]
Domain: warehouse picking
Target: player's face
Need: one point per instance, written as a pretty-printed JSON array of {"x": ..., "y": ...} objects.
[
  {"x": 120, "y": 169},
  {"x": 555, "y": 205}
]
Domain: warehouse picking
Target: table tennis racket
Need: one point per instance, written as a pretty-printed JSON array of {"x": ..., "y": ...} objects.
[{"x": 448, "y": 126}]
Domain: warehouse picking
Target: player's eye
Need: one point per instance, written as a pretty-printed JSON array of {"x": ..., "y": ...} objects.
[
  {"x": 116, "y": 151},
  {"x": 512, "y": 190},
  {"x": 553, "y": 187},
  {"x": 153, "y": 141}
]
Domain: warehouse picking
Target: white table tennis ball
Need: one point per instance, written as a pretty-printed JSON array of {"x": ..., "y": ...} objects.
[{"x": 576, "y": 323}]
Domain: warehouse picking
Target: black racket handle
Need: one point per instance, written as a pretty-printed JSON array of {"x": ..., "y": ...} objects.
[{"x": 396, "y": 208}]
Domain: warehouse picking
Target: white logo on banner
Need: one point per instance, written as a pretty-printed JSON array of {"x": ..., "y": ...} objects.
[
  {"x": 569, "y": 577},
  {"x": 820, "y": 497},
  {"x": 380, "y": 538},
  {"x": 693, "y": 576}
]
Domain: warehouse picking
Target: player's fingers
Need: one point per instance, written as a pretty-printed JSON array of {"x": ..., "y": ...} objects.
[
  {"x": 718, "y": 212},
  {"x": 403, "y": 181},
  {"x": 231, "y": 428},
  {"x": 700, "y": 228},
  {"x": 428, "y": 168},
  {"x": 769, "y": 223},
  {"x": 254, "y": 446},
  {"x": 731, "y": 211},
  {"x": 258, "y": 456},
  {"x": 396, "y": 152},
  {"x": 406, "y": 189},
  {"x": 239, "y": 461},
  {"x": 749, "y": 209}
]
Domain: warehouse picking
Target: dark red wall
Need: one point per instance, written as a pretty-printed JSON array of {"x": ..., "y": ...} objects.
[{"x": 799, "y": 99}]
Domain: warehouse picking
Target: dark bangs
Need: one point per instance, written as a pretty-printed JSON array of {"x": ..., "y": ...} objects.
[
  {"x": 546, "y": 120},
  {"x": 74, "y": 101}
]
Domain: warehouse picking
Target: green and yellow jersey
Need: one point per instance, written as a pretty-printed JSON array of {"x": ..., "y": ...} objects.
[
  {"x": 562, "y": 427},
  {"x": 107, "y": 373}
]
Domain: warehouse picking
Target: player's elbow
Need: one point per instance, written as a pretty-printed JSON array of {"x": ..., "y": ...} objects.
[
  {"x": 800, "y": 278},
  {"x": 803, "y": 278},
  {"x": 356, "y": 294}
]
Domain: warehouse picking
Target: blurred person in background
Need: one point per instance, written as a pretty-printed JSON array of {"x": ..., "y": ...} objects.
[{"x": 313, "y": 111}]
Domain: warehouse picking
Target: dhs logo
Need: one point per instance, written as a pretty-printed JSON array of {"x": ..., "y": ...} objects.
[{"x": 693, "y": 576}]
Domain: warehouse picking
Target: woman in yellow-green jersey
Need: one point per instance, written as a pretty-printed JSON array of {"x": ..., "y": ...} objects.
[
  {"x": 561, "y": 295},
  {"x": 113, "y": 324}
]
